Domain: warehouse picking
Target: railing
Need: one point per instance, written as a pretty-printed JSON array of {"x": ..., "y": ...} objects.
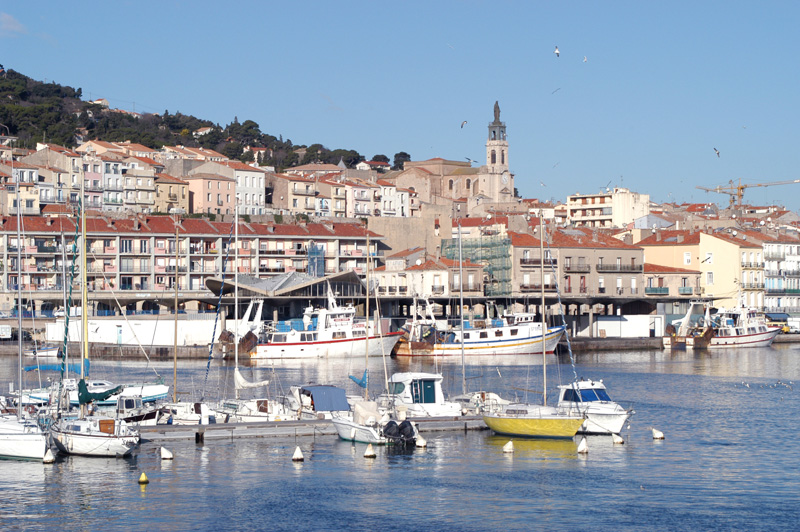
[
  {"x": 771, "y": 291},
  {"x": 685, "y": 290},
  {"x": 656, "y": 290},
  {"x": 536, "y": 287},
  {"x": 757, "y": 265},
  {"x": 619, "y": 268},
  {"x": 537, "y": 262},
  {"x": 753, "y": 286},
  {"x": 774, "y": 256},
  {"x": 172, "y": 197},
  {"x": 437, "y": 289},
  {"x": 577, "y": 268}
]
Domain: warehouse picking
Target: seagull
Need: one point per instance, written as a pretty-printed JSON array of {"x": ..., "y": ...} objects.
[
  {"x": 464, "y": 123},
  {"x": 559, "y": 162},
  {"x": 542, "y": 183},
  {"x": 470, "y": 160},
  {"x": 558, "y": 54},
  {"x": 555, "y": 91},
  {"x": 584, "y": 59},
  {"x": 716, "y": 151}
]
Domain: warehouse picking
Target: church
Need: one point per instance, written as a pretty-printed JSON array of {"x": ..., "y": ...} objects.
[{"x": 441, "y": 182}]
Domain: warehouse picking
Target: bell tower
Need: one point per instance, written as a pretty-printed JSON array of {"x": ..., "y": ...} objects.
[{"x": 500, "y": 178}]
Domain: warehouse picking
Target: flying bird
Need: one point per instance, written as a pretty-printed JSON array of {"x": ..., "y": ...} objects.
[
  {"x": 464, "y": 123},
  {"x": 542, "y": 183},
  {"x": 555, "y": 91},
  {"x": 716, "y": 151},
  {"x": 584, "y": 59},
  {"x": 558, "y": 54},
  {"x": 470, "y": 160}
]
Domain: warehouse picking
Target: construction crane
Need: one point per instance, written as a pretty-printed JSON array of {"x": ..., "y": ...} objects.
[{"x": 736, "y": 191}]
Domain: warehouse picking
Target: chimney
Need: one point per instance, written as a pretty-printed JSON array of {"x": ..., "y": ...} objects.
[
  {"x": 136, "y": 224},
  {"x": 680, "y": 238},
  {"x": 658, "y": 235},
  {"x": 49, "y": 222}
]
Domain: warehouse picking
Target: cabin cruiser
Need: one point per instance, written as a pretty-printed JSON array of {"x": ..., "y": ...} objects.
[
  {"x": 418, "y": 395},
  {"x": 365, "y": 424},
  {"x": 590, "y": 398}
]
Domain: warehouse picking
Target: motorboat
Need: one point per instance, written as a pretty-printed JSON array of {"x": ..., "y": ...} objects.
[
  {"x": 133, "y": 411},
  {"x": 365, "y": 424},
  {"x": 590, "y": 398},
  {"x": 736, "y": 327},
  {"x": 188, "y": 413},
  {"x": 510, "y": 334},
  {"x": 43, "y": 351},
  {"x": 330, "y": 332},
  {"x": 253, "y": 410},
  {"x": 21, "y": 438},
  {"x": 418, "y": 395}
]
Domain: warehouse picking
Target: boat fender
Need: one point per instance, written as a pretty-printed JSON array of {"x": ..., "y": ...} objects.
[{"x": 30, "y": 409}]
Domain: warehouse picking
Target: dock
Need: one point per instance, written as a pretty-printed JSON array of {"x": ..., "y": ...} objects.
[{"x": 283, "y": 429}]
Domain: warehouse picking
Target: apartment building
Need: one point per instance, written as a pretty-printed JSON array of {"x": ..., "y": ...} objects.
[{"x": 613, "y": 208}]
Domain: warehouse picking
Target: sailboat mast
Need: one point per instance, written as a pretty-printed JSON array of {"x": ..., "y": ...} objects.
[
  {"x": 236, "y": 290},
  {"x": 544, "y": 320},
  {"x": 66, "y": 308},
  {"x": 366, "y": 312},
  {"x": 84, "y": 288},
  {"x": 19, "y": 286},
  {"x": 175, "y": 346},
  {"x": 461, "y": 308}
]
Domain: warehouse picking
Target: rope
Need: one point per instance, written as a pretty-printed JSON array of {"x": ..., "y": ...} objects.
[
  {"x": 561, "y": 312},
  {"x": 219, "y": 307}
]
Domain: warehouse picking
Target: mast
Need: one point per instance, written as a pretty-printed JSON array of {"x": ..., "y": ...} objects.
[
  {"x": 236, "y": 291},
  {"x": 366, "y": 315},
  {"x": 84, "y": 288},
  {"x": 461, "y": 308},
  {"x": 175, "y": 346},
  {"x": 544, "y": 320},
  {"x": 66, "y": 308},
  {"x": 19, "y": 284}
]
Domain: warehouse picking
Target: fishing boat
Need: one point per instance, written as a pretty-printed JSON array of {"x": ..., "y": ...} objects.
[
  {"x": 91, "y": 435},
  {"x": 418, "y": 395},
  {"x": 330, "y": 332},
  {"x": 736, "y": 327},
  {"x": 590, "y": 398},
  {"x": 535, "y": 420},
  {"x": 510, "y": 334},
  {"x": 43, "y": 351}
]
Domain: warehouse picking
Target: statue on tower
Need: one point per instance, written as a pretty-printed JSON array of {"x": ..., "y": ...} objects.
[{"x": 496, "y": 111}]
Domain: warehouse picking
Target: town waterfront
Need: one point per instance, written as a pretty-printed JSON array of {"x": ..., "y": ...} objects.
[{"x": 728, "y": 461}]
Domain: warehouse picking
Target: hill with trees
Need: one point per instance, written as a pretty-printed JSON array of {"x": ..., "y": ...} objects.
[{"x": 35, "y": 112}]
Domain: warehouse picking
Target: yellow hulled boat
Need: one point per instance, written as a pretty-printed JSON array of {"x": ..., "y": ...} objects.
[{"x": 533, "y": 421}]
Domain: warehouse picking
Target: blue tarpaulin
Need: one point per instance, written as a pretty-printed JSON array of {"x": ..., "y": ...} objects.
[
  {"x": 74, "y": 368},
  {"x": 327, "y": 398}
]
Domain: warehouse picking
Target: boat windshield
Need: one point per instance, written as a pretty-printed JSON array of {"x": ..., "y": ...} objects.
[{"x": 396, "y": 387}]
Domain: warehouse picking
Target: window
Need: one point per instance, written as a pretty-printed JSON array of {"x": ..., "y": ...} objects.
[
  {"x": 687, "y": 258},
  {"x": 709, "y": 278}
]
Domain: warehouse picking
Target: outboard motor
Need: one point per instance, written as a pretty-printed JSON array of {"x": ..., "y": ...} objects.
[
  {"x": 407, "y": 432},
  {"x": 391, "y": 431}
]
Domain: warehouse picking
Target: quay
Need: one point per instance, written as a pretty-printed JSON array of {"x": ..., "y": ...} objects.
[{"x": 283, "y": 429}]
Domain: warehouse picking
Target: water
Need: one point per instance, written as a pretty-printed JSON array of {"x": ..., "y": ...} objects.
[{"x": 728, "y": 462}]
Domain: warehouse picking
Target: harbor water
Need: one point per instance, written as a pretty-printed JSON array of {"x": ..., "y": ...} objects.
[{"x": 728, "y": 461}]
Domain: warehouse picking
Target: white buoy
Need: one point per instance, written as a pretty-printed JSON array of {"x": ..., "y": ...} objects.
[
  {"x": 616, "y": 438},
  {"x": 298, "y": 455},
  {"x": 421, "y": 442},
  {"x": 583, "y": 447},
  {"x": 657, "y": 434},
  {"x": 48, "y": 457},
  {"x": 370, "y": 452},
  {"x": 509, "y": 447},
  {"x": 166, "y": 454}
]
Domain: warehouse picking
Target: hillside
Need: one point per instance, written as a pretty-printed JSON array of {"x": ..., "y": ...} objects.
[{"x": 35, "y": 111}]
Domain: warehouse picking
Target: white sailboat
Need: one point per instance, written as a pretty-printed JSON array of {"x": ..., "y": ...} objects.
[
  {"x": 20, "y": 438},
  {"x": 534, "y": 420},
  {"x": 93, "y": 435}
]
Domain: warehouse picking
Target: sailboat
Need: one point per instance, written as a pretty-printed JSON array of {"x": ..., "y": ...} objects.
[
  {"x": 20, "y": 438},
  {"x": 534, "y": 420},
  {"x": 239, "y": 410},
  {"x": 365, "y": 423},
  {"x": 91, "y": 435}
]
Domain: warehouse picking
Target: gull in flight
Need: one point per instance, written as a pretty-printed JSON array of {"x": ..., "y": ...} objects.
[
  {"x": 470, "y": 160},
  {"x": 464, "y": 123},
  {"x": 558, "y": 54},
  {"x": 716, "y": 151},
  {"x": 555, "y": 91},
  {"x": 584, "y": 59}
]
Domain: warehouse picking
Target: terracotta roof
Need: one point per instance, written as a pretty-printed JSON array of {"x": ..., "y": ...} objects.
[
  {"x": 166, "y": 178},
  {"x": 669, "y": 237},
  {"x": 658, "y": 268}
]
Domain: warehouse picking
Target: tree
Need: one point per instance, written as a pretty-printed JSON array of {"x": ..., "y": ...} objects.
[
  {"x": 380, "y": 158},
  {"x": 400, "y": 158}
]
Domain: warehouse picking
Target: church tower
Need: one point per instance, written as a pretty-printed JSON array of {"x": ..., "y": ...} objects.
[{"x": 500, "y": 183}]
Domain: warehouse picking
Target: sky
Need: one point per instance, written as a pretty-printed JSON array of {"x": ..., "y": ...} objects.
[{"x": 663, "y": 84}]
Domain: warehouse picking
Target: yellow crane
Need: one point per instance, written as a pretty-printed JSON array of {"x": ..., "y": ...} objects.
[{"x": 736, "y": 191}]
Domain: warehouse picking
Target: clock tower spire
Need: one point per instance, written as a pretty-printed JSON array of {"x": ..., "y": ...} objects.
[{"x": 497, "y": 159}]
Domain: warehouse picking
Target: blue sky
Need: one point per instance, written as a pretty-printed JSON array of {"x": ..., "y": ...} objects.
[{"x": 663, "y": 85}]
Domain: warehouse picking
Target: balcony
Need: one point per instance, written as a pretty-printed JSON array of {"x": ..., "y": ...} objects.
[
  {"x": 219, "y": 203},
  {"x": 782, "y": 291},
  {"x": 622, "y": 268},
  {"x": 753, "y": 265},
  {"x": 304, "y": 192},
  {"x": 437, "y": 289},
  {"x": 536, "y": 287},
  {"x": 753, "y": 286},
  {"x": 172, "y": 197},
  {"x": 538, "y": 262},
  {"x": 685, "y": 290},
  {"x": 656, "y": 290},
  {"x": 577, "y": 268}
]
